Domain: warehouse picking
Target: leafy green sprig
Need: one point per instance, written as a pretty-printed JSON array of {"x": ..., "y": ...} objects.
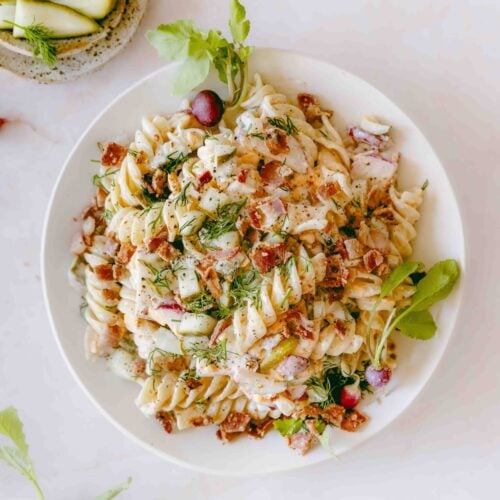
[
  {"x": 199, "y": 50},
  {"x": 211, "y": 355},
  {"x": 40, "y": 39},
  {"x": 225, "y": 221},
  {"x": 285, "y": 124}
]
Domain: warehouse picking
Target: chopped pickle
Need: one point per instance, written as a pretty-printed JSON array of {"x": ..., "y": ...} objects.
[{"x": 278, "y": 354}]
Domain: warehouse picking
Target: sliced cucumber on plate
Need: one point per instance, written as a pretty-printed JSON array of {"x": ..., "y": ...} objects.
[
  {"x": 7, "y": 13},
  {"x": 62, "y": 21},
  {"x": 96, "y": 9}
]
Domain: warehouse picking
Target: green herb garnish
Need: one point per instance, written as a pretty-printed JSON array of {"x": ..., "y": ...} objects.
[
  {"x": 17, "y": 456},
  {"x": 114, "y": 492},
  {"x": 97, "y": 179},
  {"x": 174, "y": 160},
  {"x": 182, "y": 197},
  {"x": 211, "y": 355},
  {"x": 286, "y": 125},
  {"x": 199, "y": 50},
  {"x": 201, "y": 303},
  {"x": 288, "y": 426},
  {"x": 40, "y": 39},
  {"x": 224, "y": 222},
  {"x": 245, "y": 286}
]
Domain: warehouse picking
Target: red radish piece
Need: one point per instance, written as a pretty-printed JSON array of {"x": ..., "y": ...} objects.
[
  {"x": 378, "y": 377},
  {"x": 350, "y": 395},
  {"x": 207, "y": 108}
]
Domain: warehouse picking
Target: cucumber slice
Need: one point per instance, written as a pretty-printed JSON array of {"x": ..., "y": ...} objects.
[
  {"x": 7, "y": 13},
  {"x": 197, "y": 324},
  {"x": 64, "y": 22},
  {"x": 97, "y": 9}
]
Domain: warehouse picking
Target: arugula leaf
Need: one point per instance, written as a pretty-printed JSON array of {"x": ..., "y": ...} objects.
[
  {"x": 238, "y": 23},
  {"x": 324, "y": 439},
  {"x": 287, "y": 426},
  {"x": 114, "y": 492},
  {"x": 436, "y": 285},
  {"x": 192, "y": 73},
  {"x": 397, "y": 276},
  {"x": 418, "y": 325},
  {"x": 175, "y": 41},
  {"x": 18, "y": 458}
]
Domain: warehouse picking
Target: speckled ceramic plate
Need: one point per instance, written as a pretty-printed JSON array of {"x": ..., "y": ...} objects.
[
  {"x": 440, "y": 236},
  {"x": 80, "y": 55}
]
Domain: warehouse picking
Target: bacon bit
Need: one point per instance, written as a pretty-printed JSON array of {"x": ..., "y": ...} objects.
[
  {"x": 138, "y": 367},
  {"x": 242, "y": 176},
  {"x": 336, "y": 272},
  {"x": 301, "y": 441},
  {"x": 110, "y": 294},
  {"x": 211, "y": 280},
  {"x": 256, "y": 218},
  {"x": 166, "y": 251},
  {"x": 219, "y": 329},
  {"x": 329, "y": 189},
  {"x": 119, "y": 272},
  {"x": 157, "y": 240},
  {"x": 341, "y": 249},
  {"x": 267, "y": 211},
  {"x": 272, "y": 176},
  {"x": 192, "y": 383},
  {"x": 352, "y": 421},
  {"x": 266, "y": 256},
  {"x": 258, "y": 431},
  {"x": 223, "y": 254},
  {"x": 125, "y": 253},
  {"x": 171, "y": 306},
  {"x": 78, "y": 245},
  {"x": 3, "y": 121},
  {"x": 386, "y": 214},
  {"x": 166, "y": 420},
  {"x": 276, "y": 142},
  {"x": 333, "y": 414},
  {"x": 340, "y": 326},
  {"x": 104, "y": 272},
  {"x": 174, "y": 364},
  {"x": 100, "y": 198},
  {"x": 234, "y": 423},
  {"x": 205, "y": 177},
  {"x": 292, "y": 365},
  {"x": 113, "y": 154},
  {"x": 372, "y": 259},
  {"x": 113, "y": 335},
  {"x": 310, "y": 107},
  {"x": 158, "y": 182},
  {"x": 299, "y": 324}
]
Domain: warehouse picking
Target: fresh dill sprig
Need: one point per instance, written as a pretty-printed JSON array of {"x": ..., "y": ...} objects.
[
  {"x": 425, "y": 184},
  {"x": 211, "y": 354},
  {"x": 182, "y": 197},
  {"x": 224, "y": 222},
  {"x": 40, "y": 39},
  {"x": 258, "y": 135},
  {"x": 97, "y": 179},
  {"x": 285, "y": 298},
  {"x": 201, "y": 303},
  {"x": 245, "y": 286},
  {"x": 187, "y": 224},
  {"x": 286, "y": 267},
  {"x": 153, "y": 358},
  {"x": 174, "y": 159},
  {"x": 159, "y": 279},
  {"x": 286, "y": 125},
  {"x": 187, "y": 374}
]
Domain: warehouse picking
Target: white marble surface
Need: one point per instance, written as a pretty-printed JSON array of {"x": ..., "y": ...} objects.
[{"x": 440, "y": 61}]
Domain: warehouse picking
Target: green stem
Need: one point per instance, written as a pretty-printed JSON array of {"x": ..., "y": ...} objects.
[
  {"x": 38, "y": 490},
  {"x": 383, "y": 338},
  {"x": 369, "y": 325}
]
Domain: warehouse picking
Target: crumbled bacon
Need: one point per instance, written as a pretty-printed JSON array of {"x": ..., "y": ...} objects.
[
  {"x": 265, "y": 256},
  {"x": 200, "y": 421},
  {"x": 211, "y": 280},
  {"x": 112, "y": 336},
  {"x": 336, "y": 272},
  {"x": 276, "y": 142},
  {"x": 204, "y": 178},
  {"x": 340, "y": 248},
  {"x": 100, "y": 198},
  {"x": 310, "y": 107},
  {"x": 372, "y": 259},
  {"x": 157, "y": 240},
  {"x": 110, "y": 294},
  {"x": 113, "y": 154},
  {"x": 329, "y": 189},
  {"x": 256, "y": 218},
  {"x": 333, "y": 414},
  {"x": 272, "y": 176},
  {"x": 298, "y": 324},
  {"x": 166, "y": 251},
  {"x": 174, "y": 363},
  {"x": 125, "y": 253},
  {"x": 352, "y": 421},
  {"x": 234, "y": 423},
  {"x": 192, "y": 383},
  {"x": 119, "y": 271},
  {"x": 166, "y": 420},
  {"x": 219, "y": 328},
  {"x": 265, "y": 213},
  {"x": 78, "y": 245},
  {"x": 340, "y": 326},
  {"x": 104, "y": 272},
  {"x": 138, "y": 367},
  {"x": 258, "y": 431},
  {"x": 159, "y": 181},
  {"x": 223, "y": 254},
  {"x": 301, "y": 441},
  {"x": 242, "y": 176}
]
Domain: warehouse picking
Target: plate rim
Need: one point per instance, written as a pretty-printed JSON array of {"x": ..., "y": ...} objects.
[{"x": 459, "y": 290}]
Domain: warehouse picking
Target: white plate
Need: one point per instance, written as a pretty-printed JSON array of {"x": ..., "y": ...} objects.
[{"x": 440, "y": 236}]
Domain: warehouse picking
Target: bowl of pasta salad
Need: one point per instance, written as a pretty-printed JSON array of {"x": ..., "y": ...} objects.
[{"x": 253, "y": 275}]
